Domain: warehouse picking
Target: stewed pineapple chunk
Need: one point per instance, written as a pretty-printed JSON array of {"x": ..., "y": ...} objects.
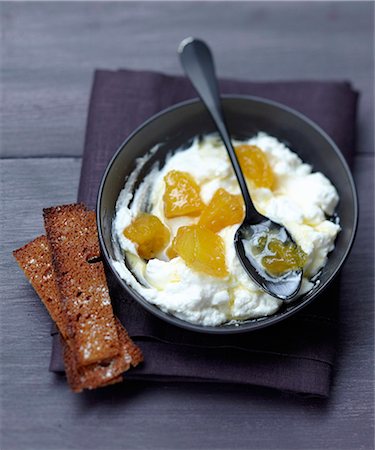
[
  {"x": 202, "y": 250},
  {"x": 223, "y": 210},
  {"x": 150, "y": 235},
  {"x": 181, "y": 195},
  {"x": 255, "y": 166},
  {"x": 285, "y": 257},
  {"x": 279, "y": 257}
]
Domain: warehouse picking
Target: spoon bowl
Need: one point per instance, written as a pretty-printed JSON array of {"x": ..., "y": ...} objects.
[
  {"x": 287, "y": 285},
  {"x": 197, "y": 61}
]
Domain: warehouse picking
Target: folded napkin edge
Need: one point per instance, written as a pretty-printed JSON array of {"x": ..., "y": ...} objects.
[
  {"x": 154, "y": 339},
  {"x": 345, "y": 83}
]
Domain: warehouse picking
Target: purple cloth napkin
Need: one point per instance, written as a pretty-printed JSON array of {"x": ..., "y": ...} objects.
[{"x": 296, "y": 355}]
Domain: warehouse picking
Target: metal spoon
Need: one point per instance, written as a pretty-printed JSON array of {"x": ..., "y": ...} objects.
[{"x": 197, "y": 61}]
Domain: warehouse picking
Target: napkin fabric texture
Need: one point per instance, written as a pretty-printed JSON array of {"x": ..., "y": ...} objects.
[{"x": 296, "y": 355}]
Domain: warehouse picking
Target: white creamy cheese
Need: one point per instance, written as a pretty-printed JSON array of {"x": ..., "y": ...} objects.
[{"x": 301, "y": 201}]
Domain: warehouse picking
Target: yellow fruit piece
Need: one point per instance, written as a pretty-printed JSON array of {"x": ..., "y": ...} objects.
[
  {"x": 171, "y": 252},
  {"x": 255, "y": 166},
  {"x": 223, "y": 210},
  {"x": 285, "y": 257},
  {"x": 149, "y": 233},
  {"x": 182, "y": 195},
  {"x": 202, "y": 250}
]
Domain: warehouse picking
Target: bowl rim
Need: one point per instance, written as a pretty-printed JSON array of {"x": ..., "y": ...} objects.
[{"x": 251, "y": 324}]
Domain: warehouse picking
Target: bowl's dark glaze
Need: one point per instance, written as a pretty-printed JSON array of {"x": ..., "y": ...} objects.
[{"x": 245, "y": 116}]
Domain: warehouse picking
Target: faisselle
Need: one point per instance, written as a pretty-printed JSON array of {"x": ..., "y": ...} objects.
[{"x": 176, "y": 232}]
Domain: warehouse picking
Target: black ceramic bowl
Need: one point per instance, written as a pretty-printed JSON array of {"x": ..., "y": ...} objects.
[{"x": 175, "y": 126}]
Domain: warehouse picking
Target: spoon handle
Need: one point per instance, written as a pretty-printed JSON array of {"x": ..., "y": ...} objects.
[{"x": 197, "y": 61}]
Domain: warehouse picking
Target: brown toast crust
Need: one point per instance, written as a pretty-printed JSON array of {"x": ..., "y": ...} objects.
[
  {"x": 105, "y": 372},
  {"x": 72, "y": 236},
  {"x": 36, "y": 261}
]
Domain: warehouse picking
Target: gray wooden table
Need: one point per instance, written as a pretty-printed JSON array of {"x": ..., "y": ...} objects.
[{"x": 48, "y": 53}]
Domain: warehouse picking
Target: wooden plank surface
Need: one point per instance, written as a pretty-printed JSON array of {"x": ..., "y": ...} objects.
[
  {"x": 49, "y": 52},
  {"x": 39, "y": 412}
]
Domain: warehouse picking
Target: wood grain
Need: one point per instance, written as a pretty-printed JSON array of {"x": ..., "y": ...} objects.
[
  {"x": 39, "y": 412},
  {"x": 49, "y": 52}
]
